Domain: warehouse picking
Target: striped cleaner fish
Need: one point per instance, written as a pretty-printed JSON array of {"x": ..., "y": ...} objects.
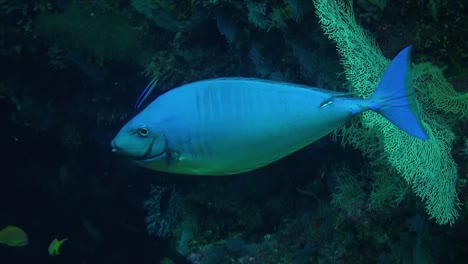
[{"x": 233, "y": 125}]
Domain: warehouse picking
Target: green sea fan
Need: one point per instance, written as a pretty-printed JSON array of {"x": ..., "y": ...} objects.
[{"x": 426, "y": 165}]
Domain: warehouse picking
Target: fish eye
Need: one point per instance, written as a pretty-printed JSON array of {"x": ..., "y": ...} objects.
[{"x": 143, "y": 131}]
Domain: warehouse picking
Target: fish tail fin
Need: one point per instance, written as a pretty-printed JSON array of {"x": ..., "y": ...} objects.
[{"x": 395, "y": 97}]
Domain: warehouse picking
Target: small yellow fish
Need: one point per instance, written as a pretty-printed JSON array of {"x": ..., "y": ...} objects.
[
  {"x": 54, "y": 247},
  {"x": 13, "y": 236}
]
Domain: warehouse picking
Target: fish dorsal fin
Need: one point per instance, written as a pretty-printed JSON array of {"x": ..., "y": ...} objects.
[{"x": 146, "y": 92}]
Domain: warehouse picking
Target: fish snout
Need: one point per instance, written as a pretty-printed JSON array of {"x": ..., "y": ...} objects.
[{"x": 114, "y": 146}]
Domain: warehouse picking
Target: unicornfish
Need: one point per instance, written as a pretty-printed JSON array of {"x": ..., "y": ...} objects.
[{"x": 232, "y": 125}]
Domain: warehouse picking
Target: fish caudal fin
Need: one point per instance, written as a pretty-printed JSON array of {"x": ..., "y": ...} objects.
[{"x": 395, "y": 97}]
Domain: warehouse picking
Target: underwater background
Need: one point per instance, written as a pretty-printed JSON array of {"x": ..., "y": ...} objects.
[{"x": 71, "y": 72}]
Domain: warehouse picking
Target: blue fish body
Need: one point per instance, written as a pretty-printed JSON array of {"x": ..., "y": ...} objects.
[{"x": 233, "y": 125}]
